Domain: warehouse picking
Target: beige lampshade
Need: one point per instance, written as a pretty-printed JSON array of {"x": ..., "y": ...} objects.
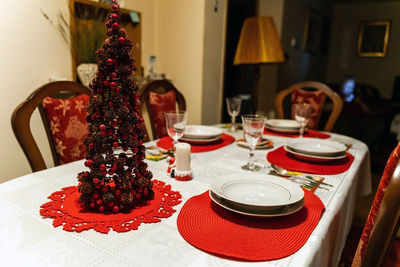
[{"x": 259, "y": 42}]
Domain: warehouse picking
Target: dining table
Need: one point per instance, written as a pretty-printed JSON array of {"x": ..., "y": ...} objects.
[{"x": 26, "y": 238}]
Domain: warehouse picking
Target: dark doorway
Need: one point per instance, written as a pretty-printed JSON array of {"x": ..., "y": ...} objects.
[{"x": 237, "y": 79}]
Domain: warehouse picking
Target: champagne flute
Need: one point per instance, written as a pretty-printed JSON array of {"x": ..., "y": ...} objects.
[
  {"x": 302, "y": 113},
  {"x": 253, "y": 128},
  {"x": 233, "y": 104},
  {"x": 175, "y": 122}
]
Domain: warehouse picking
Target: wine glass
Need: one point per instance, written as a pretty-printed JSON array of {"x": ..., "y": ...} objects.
[
  {"x": 175, "y": 123},
  {"x": 253, "y": 128},
  {"x": 233, "y": 104},
  {"x": 302, "y": 113}
]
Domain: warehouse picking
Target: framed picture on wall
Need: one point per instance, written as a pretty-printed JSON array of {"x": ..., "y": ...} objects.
[
  {"x": 313, "y": 31},
  {"x": 373, "y": 38}
]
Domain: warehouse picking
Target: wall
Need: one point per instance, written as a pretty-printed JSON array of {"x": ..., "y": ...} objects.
[
  {"x": 378, "y": 72},
  {"x": 146, "y": 9},
  {"x": 172, "y": 30},
  {"x": 31, "y": 52},
  {"x": 268, "y": 82},
  {"x": 213, "y": 61},
  {"x": 178, "y": 45},
  {"x": 301, "y": 65}
]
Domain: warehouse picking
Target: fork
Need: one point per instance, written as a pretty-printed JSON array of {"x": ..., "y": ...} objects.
[{"x": 307, "y": 183}]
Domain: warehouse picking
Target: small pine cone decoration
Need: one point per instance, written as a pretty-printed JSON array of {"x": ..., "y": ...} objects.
[
  {"x": 97, "y": 139},
  {"x": 85, "y": 188},
  {"x": 96, "y": 172},
  {"x": 84, "y": 198},
  {"x": 126, "y": 199},
  {"x": 108, "y": 197},
  {"x": 143, "y": 182},
  {"x": 81, "y": 177},
  {"x": 123, "y": 111}
]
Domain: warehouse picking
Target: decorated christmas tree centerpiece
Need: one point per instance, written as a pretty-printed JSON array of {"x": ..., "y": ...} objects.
[{"x": 117, "y": 178}]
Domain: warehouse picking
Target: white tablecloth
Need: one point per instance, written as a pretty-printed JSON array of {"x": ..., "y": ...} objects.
[{"x": 28, "y": 239}]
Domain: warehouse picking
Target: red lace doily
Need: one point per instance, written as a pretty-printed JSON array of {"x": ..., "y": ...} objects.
[{"x": 66, "y": 210}]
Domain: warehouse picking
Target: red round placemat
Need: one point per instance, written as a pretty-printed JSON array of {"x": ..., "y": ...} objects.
[
  {"x": 283, "y": 159},
  {"x": 66, "y": 210},
  {"x": 226, "y": 139},
  {"x": 216, "y": 230},
  {"x": 308, "y": 133}
]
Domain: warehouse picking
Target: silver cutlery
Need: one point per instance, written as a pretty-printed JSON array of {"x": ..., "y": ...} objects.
[
  {"x": 281, "y": 171},
  {"x": 307, "y": 183}
]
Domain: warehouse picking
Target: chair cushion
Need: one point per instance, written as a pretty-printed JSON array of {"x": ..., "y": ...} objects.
[
  {"x": 315, "y": 98},
  {"x": 68, "y": 126},
  {"x": 159, "y": 104}
]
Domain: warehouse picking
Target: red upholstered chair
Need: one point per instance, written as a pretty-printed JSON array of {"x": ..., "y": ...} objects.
[
  {"x": 62, "y": 108},
  {"x": 383, "y": 219},
  {"x": 160, "y": 96},
  {"x": 316, "y": 97}
]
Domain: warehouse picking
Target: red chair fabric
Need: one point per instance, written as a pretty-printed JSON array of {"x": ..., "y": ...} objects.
[
  {"x": 159, "y": 104},
  {"x": 384, "y": 182},
  {"x": 68, "y": 126},
  {"x": 315, "y": 98}
]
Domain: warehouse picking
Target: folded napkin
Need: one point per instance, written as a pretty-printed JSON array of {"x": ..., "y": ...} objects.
[
  {"x": 226, "y": 139},
  {"x": 263, "y": 144},
  {"x": 221, "y": 232},
  {"x": 307, "y": 133},
  {"x": 155, "y": 153},
  {"x": 287, "y": 161}
]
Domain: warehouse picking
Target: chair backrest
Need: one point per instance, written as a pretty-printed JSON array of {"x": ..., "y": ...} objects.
[
  {"x": 160, "y": 96},
  {"x": 316, "y": 98},
  {"x": 383, "y": 219},
  {"x": 20, "y": 119}
]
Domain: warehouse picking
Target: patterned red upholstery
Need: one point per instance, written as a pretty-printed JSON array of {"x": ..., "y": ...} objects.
[
  {"x": 161, "y": 103},
  {"x": 386, "y": 176},
  {"x": 315, "y": 98},
  {"x": 68, "y": 126}
]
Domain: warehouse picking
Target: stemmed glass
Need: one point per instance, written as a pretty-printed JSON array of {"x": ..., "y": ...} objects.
[
  {"x": 302, "y": 113},
  {"x": 253, "y": 128},
  {"x": 233, "y": 104},
  {"x": 175, "y": 123}
]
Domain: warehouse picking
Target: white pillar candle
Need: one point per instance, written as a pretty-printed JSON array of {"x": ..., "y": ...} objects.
[{"x": 182, "y": 152}]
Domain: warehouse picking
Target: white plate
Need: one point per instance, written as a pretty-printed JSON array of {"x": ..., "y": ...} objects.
[
  {"x": 283, "y": 130},
  {"x": 281, "y": 211},
  {"x": 285, "y": 124},
  {"x": 200, "y": 141},
  {"x": 313, "y": 158},
  {"x": 317, "y": 147},
  {"x": 267, "y": 191},
  {"x": 201, "y": 132}
]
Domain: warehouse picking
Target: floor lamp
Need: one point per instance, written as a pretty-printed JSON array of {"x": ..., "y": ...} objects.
[{"x": 259, "y": 43}]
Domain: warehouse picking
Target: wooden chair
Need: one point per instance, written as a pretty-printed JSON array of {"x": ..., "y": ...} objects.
[
  {"x": 382, "y": 222},
  {"x": 20, "y": 119},
  {"x": 160, "y": 96},
  {"x": 321, "y": 91}
]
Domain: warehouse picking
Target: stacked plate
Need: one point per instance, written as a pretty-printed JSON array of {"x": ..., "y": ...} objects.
[
  {"x": 266, "y": 196},
  {"x": 314, "y": 149},
  {"x": 200, "y": 134},
  {"x": 289, "y": 126}
]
